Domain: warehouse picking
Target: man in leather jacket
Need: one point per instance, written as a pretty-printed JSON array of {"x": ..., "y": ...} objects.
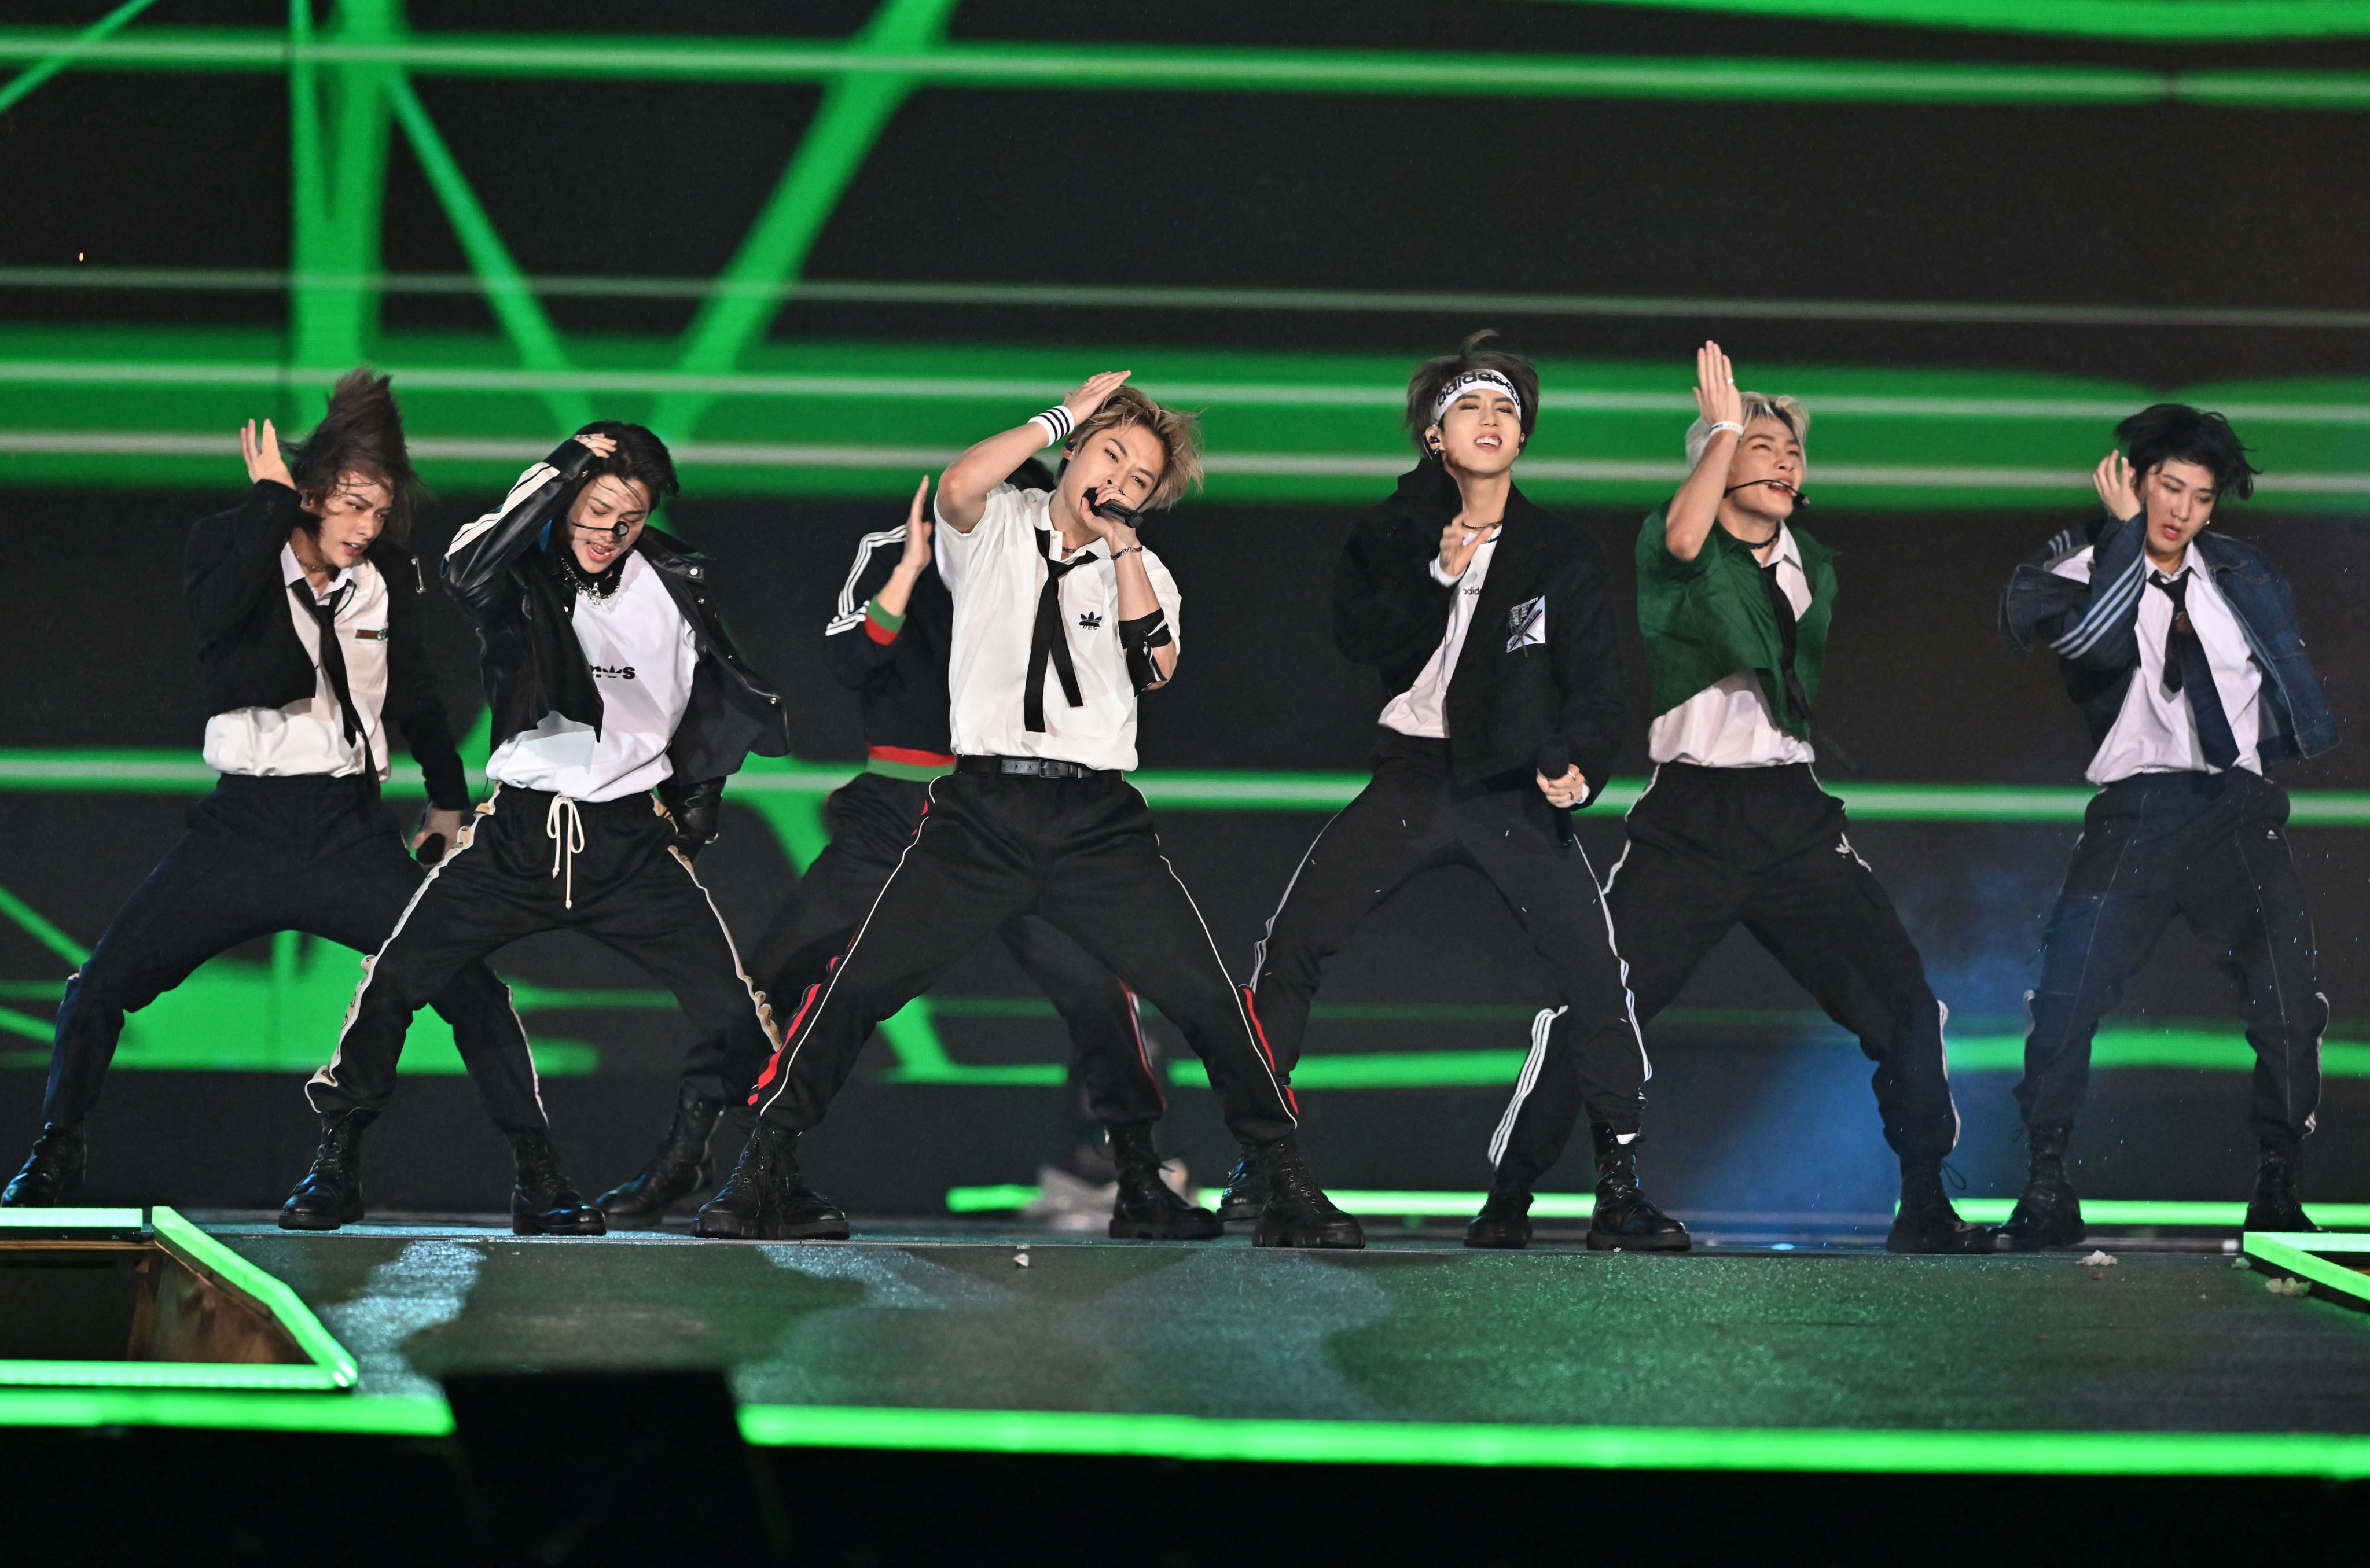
[
  {"x": 619, "y": 706},
  {"x": 1490, "y": 623}
]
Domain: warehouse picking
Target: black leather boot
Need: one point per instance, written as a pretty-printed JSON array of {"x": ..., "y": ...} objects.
[
  {"x": 331, "y": 1193},
  {"x": 1926, "y": 1221},
  {"x": 766, "y": 1199},
  {"x": 1505, "y": 1217},
  {"x": 1624, "y": 1220},
  {"x": 53, "y": 1169},
  {"x": 2275, "y": 1206},
  {"x": 683, "y": 1165},
  {"x": 1298, "y": 1214},
  {"x": 1245, "y": 1195},
  {"x": 546, "y": 1203},
  {"x": 2048, "y": 1213},
  {"x": 1146, "y": 1210}
]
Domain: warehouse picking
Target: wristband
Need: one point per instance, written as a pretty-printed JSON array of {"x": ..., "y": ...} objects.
[
  {"x": 1056, "y": 423},
  {"x": 1130, "y": 550},
  {"x": 1724, "y": 425}
]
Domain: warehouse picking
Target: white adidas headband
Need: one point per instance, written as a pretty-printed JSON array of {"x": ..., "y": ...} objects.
[{"x": 1468, "y": 381}]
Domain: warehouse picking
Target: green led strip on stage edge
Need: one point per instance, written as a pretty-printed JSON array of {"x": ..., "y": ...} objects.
[
  {"x": 2312, "y": 1255},
  {"x": 224, "y": 1411},
  {"x": 268, "y": 1290},
  {"x": 2332, "y": 1458},
  {"x": 2142, "y": 21},
  {"x": 1010, "y": 1198},
  {"x": 117, "y": 1221}
]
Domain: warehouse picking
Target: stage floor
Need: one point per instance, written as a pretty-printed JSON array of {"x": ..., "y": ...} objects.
[{"x": 977, "y": 1317}]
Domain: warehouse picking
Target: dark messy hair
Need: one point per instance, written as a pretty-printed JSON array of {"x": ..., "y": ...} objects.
[
  {"x": 1433, "y": 374},
  {"x": 362, "y": 433},
  {"x": 640, "y": 455},
  {"x": 2178, "y": 433}
]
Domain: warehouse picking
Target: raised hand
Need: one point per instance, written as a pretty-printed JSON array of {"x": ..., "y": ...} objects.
[
  {"x": 262, "y": 455},
  {"x": 1717, "y": 398},
  {"x": 602, "y": 445},
  {"x": 2118, "y": 486},
  {"x": 1091, "y": 395},
  {"x": 916, "y": 559},
  {"x": 1457, "y": 543}
]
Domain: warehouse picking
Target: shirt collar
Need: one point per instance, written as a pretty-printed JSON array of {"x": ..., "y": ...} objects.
[
  {"x": 294, "y": 573},
  {"x": 1050, "y": 545}
]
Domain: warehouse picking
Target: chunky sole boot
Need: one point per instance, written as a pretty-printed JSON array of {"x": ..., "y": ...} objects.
[
  {"x": 1298, "y": 1214},
  {"x": 2048, "y": 1213},
  {"x": 54, "y": 1168},
  {"x": 1245, "y": 1195},
  {"x": 529, "y": 1217},
  {"x": 1925, "y": 1223},
  {"x": 1624, "y": 1220},
  {"x": 1504, "y": 1222},
  {"x": 1146, "y": 1209},
  {"x": 681, "y": 1168},
  {"x": 331, "y": 1193},
  {"x": 2274, "y": 1206},
  {"x": 546, "y": 1203},
  {"x": 808, "y": 1216},
  {"x": 766, "y": 1199}
]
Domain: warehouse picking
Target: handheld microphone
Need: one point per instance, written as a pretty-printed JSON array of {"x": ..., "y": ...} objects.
[
  {"x": 1553, "y": 760},
  {"x": 1113, "y": 509}
]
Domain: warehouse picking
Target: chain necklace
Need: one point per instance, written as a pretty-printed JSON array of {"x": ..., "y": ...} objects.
[{"x": 595, "y": 585}]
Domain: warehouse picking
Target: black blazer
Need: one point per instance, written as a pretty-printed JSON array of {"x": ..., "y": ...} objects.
[
  {"x": 533, "y": 664},
  {"x": 252, "y": 657},
  {"x": 1514, "y": 693}
]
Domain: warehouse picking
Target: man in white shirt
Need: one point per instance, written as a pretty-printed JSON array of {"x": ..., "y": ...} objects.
[
  {"x": 1734, "y": 601},
  {"x": 619, "y": 706},
  {"x": 1061, "y": 616},
  {"x": 2182, "y": 650},
  {"x": 306, "y": 605},
  {"x": 1492, "y": 625}
]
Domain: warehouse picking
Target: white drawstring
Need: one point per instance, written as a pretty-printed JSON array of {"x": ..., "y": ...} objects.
[{"x": 564, "y": 850}]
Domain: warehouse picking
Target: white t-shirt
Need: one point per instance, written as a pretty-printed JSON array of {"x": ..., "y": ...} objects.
[
  {"x": 1728, "y": 723},
  {"x": 996, "y": 572},
  {"x": 2155, "y": 733},
  {"x": 643, "y": 654},
  {"x": 309, "y": 737},
  {"x": 1423, "y": 708}
]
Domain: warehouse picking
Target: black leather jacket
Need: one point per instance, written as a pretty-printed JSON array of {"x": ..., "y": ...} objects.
[
  {"x": 1549, "y": 674},
  {"x": 533, "y": 664},
  {"x": 251, "y": 657}
]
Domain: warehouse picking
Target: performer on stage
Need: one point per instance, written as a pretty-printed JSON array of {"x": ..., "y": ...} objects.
[
  {"x": 619, "y": 708},
  {"x": 2182, "y": 651},
  {"x": 889, "y": 643},
  {"x": 1492, "y": 624},
  {"x": 1735, "y": 603},
  {"x": 307, "y": 608},
  {"x": 1061, "y": 616}
]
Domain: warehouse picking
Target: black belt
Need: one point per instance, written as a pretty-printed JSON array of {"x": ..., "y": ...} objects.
[{"x": 1031, "y": 768}]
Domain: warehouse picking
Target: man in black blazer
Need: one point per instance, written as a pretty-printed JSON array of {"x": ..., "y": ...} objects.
[
  {"x": 1491, "y": 623},
  {"x": 306, "y": 605}
]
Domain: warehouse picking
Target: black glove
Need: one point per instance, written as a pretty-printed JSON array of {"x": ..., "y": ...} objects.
[{"x": 695, "y": 807}]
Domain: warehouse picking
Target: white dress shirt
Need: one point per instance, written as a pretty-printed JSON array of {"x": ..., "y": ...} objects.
[
  {"x": 996, "y": 573},
  {"x": 309, "y": 737},
  {"x": 643, "y": 654},
  {"x": 1728, "y": 723},
  {"x": 2155, "y": 733},
  {"x": 1423, "y": 708}
]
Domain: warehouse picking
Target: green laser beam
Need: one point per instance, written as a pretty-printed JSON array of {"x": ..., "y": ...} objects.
[
  {"x": 48, "y": 65},
  {"x": 1119, "y": 68},
  {"x": 2150, "y": 21}
]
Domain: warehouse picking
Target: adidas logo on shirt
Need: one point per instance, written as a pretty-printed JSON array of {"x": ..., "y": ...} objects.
[{"x": 615, "y": 671}]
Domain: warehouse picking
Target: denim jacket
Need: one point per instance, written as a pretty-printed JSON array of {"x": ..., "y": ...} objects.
[{"x": 2091, "y": 629}]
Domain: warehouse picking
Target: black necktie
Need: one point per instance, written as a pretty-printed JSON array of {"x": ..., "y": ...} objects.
[
  {"x": 2186, "y": 668},
  {"x": 1784, "y": 607},
  {"x": 333, "y": 665},
  {"x": 1049, "y": 639}
]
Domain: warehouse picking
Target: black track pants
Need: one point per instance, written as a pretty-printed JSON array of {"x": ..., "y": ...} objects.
[
  {"x": 1082, "y": 855},
  {"x": 873, "y": 819},
  {"x": 1712, "y": 847},
  {"x": 1409, "y": 819},
  {"x": 260, "y": 855},
  {"x": 509, "y": 877},
  {"x": 2212, "y": 849}
]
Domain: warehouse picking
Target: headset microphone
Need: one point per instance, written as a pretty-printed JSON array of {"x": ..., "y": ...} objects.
[{"x": 1800, "y": 499}]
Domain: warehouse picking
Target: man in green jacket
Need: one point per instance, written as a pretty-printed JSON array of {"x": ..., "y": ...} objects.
[{"x": 1734, "y": 604}]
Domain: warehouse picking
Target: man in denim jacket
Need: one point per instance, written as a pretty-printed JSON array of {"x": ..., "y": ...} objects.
[{"x": 2182, "y": 652}]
